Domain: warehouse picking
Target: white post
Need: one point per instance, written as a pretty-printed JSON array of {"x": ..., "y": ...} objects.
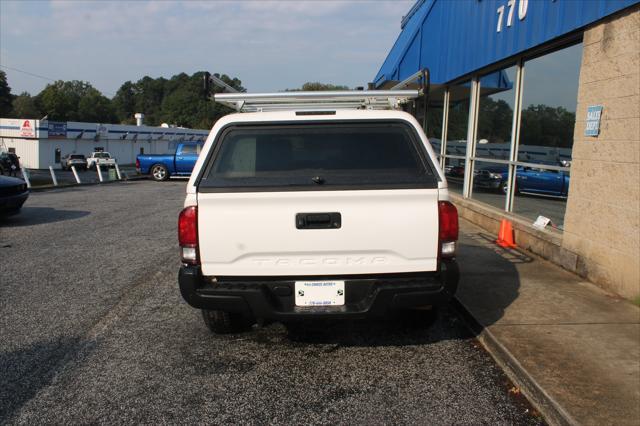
[
  {"x": 25, "y": 175},
  {"x": 118, "y": 171},
  {"x": 99, "y": 171},
  {"x": 53, "y": 176},
  {"x": 75, "y": 174}
]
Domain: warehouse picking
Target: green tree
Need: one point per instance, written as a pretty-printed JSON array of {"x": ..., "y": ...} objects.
[
  {"x": 317, "y": 86},
  {"x": 186, "y": 103},
  {"x": 124, "y": 103},
  {"x": 149, "y": 94},
  {"x": 75, "y": 101},
  {"x": 25, "y": 106},
  {"x": 6, "y": 98},
  {"x": 544, "y": 125},
  {"x": 233, "y": 82},
  {"x": 181, "y": 106},
  {"x": 60, "y": 100},
  {"x": 94, "y": 107},
  {"x": 434, "y": 122},
  {"x": 458, "y": 120},
  {"x": 494, "y": 120},
  {"x": 180, "y": 100}
]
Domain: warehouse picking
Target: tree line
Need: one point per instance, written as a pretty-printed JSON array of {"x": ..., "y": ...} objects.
[{"x": 180, "y": 100}]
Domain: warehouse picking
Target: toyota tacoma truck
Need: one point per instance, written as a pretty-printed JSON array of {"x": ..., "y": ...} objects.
[
  {"x": 163, "y": 166},
  {"x": 294, "y": 215}
]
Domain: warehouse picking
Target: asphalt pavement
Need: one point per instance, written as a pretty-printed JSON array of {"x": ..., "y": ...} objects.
[{"x": 93, "y": 330}]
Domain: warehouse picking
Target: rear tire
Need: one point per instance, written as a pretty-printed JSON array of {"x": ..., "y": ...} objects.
[
  {"x": 159, "y": 172},
  {"x": 221, "y": 322}
]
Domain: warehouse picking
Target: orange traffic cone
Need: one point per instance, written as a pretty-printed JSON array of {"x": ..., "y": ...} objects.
[{"x": 505, "y": 235}]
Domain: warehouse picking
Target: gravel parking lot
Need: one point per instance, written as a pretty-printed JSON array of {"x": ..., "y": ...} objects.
[{"x": 93, "y": 330}]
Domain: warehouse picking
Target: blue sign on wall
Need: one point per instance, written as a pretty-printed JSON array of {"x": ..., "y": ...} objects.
[
  {"x": 592, "y": 128},
  {"x": 57, "y": 130}
]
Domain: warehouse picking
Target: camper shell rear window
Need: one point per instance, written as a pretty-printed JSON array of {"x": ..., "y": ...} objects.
[{"x": 317, "y": 156}]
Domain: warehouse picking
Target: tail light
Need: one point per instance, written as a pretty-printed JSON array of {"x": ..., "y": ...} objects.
[
  {"x": 448, "y": 229},
  {"x": 137, "y": 163},
  {"x": 188, "y": 235}
]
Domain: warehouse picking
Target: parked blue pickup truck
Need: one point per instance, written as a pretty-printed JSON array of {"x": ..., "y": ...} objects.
[
  {"x": 530, "y": 180},
  {"x": 162, "y": 166}
]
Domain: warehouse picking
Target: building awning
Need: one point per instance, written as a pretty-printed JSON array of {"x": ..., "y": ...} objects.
[
  {"x": 453, "y": 39},
  {"x": 404, "y": 58}
]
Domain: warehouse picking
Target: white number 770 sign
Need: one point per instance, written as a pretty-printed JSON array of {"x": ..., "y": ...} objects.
[{"x": 522, "y": 12}]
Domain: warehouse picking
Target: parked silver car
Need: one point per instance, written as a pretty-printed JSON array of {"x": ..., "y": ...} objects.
[{"x": 78, "y": 160}]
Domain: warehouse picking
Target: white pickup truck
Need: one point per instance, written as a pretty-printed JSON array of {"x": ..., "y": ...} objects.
[
  {"x": 328, "y": 214},
  {"x": 102, "y": 158}
]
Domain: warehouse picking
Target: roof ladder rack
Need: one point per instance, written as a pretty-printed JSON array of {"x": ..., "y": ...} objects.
[{"x": 317, "y": 101}]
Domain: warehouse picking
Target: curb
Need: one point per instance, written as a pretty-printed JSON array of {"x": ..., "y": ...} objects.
[
  {"x": 74, "y": 185},
  {"x": 550, "y": 409}
]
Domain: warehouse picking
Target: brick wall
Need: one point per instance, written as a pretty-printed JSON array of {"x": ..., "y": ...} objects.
[{"x": 602, "y": 222}]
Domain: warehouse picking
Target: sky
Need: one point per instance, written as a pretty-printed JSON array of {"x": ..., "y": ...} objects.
[{"x": 269, "y": 45}]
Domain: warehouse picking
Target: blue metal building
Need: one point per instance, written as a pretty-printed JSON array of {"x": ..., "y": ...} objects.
[{"x": 453, "y": 38}]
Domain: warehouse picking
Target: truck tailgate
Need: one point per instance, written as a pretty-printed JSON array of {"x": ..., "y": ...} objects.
[{"x": 255, "y": 233}]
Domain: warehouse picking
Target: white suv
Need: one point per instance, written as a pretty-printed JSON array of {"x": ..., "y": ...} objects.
[{"x": 328, "y": 214}]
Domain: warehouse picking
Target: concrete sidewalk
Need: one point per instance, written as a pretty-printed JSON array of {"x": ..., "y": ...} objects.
[{"x": 572, "y": 348}]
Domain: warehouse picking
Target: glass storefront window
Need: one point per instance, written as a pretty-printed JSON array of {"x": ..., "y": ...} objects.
[
  {"x": 549, "y": 98},
  {"x": 434, "y": 117},
  {"x": 542, "y": 172},
  {"x": 490, "y": 183},
  {"x": 454, "y": 172},
  {"x": 434, "y": 121},
  {"x": 541, "y": 192},
  {"x": 495, "y": 114},
  {"x": 459, "y": 100},
  {"x": 458, "y": 121}
]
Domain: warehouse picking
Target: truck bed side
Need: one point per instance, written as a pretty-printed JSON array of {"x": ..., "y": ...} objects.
[{"x": 148, "y": 160}]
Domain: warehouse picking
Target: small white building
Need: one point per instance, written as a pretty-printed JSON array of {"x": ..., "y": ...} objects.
[{"x": 41, "y": 144}]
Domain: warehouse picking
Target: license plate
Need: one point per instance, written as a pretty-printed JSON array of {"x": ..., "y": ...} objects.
[{"x": 319, "y": 293}]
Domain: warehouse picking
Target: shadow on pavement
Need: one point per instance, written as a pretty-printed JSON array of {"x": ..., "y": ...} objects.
[
  {"x": 24, "y": 372},
  {"x": 39, "y": 215},
  {"x": 399, "y": 329},
  {"x": 488, "y": 273}
]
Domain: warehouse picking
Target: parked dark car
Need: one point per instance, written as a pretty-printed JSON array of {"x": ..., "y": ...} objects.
[
  {"x": 77, "y": 160},
  {"x": 454, "y": 171},
  {"x": 9, "y": 163},
  {"x": 13, "y": 194},
  {"x": 492, "y": 177},
  {"x": 530, "y": 180}
]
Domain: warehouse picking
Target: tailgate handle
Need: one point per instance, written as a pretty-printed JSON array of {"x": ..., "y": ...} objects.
[{"x": 318, "y": 220}]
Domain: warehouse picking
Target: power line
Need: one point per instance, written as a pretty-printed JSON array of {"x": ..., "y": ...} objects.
[
  {"x": 27, "y": 72},
  {"x": 41, "y": 76}
]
